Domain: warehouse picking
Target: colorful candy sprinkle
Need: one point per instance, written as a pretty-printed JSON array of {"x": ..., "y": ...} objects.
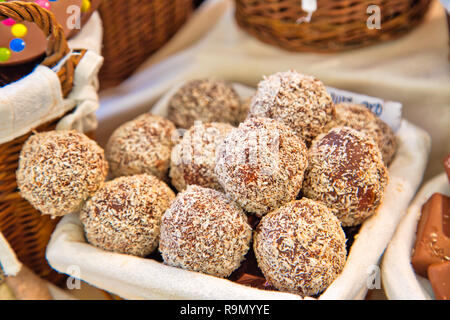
[
  {"x": 5, "y": 54},
  {"x": 19, "y": 30},
  {"x": 8, "y": 22},
  {"x": 85, "y": 5},
  {"x": 17, "y": 45},
  {"x": 44, "y": 4}
]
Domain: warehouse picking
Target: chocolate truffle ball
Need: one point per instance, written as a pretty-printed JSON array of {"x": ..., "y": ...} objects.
[
  {"x": 194, "y": 158},
  {"x": 142, "y": 145},
  {"x": 300, "y": 247},
  {"x": 261, "y": 164},
  {"x": 360, "y": 118},
  {"x": 346, "y": 173},
  {"x": 299, "y": 101},
  {"x": 59, "y": 170},
  {"x": 204, "y": 231},
  {"x": 206, "y": 100},
  {"x": 124, "y": 216}
]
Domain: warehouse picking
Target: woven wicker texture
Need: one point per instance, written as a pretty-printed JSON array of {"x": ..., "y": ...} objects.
[
  {"x": 135, "y": 29},
  {"x": 336, "y": 25},
  {"x": 26, "y": 229}
]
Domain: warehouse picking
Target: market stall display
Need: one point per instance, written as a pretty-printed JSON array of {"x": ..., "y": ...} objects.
[{"x": 150, "y": 278}]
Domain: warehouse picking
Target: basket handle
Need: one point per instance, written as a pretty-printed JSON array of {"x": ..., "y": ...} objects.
[{"x": 57, "y": 47}]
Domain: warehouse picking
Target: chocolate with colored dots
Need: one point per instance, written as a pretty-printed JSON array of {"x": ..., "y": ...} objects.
[{"x": 21, "y": 42}]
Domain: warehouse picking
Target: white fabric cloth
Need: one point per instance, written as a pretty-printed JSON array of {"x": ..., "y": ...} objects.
[
  {"x": 138, "y": 278},
  {"x": 37, "y": 98},
  {"x": 8, "y": 260},
  {"x": 400, "y": 282},
  {"x": 413, "y": 70},
  {"x": 12, "y": 266}
]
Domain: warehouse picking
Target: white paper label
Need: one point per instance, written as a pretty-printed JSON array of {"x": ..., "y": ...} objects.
[{"x": 388, "y": 111}]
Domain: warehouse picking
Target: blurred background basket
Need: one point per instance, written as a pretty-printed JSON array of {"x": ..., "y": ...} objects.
[
  {"x": 135, "y": 29},
  {"x": 25, "y": 228},
  {"x": 336, "y": 25}
]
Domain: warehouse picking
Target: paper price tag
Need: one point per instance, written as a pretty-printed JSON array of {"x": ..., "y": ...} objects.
[{"x": 389, "y": 111}]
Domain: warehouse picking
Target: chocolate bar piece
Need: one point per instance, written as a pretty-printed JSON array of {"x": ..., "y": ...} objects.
[
  {"x": 439, "y": 276},
  {"x": 433, "y": 234}
]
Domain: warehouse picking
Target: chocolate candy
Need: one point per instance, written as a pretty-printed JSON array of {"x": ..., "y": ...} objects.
[
  {"x": 21, "y": 42},
  {"x": 33, "y": 42},
  {"x": 433, "y": 234},
  {"x": 439, "y": 276}
]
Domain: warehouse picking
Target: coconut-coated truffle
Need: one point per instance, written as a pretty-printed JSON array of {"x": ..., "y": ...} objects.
[
  {"x": 299, "y": 101},
  {"x": 206, "y": 100},
  {"x": 59, "y": 170},
  {"x": 204, "y": 231},
  {"x": 124, "y": 215},
  {"x": 300, "y": 247},
  {"x": 360, "y": 118},
  {"x": 142, "y": 145},
  {"x": 194, "y": 158},
  {"x": 346, "y": 172},
  {"x": 261, "y": 165}
]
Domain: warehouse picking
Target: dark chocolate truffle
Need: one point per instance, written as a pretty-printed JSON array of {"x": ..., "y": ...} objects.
[
  {"x": 194, "y": 158},
  {"x": 142, "y": 145},
  {"x": 360, "y": 118},
  {"x": 299, "y": 101},
  {"x": 346, "y": 172},
  {"x": 204, "y": 231},
  {"x": 59, "y": 170},
  {"x": 261, "y": 164},
  {"x": 300, "y": 247},
  {"x": 206, "y": 100},
  {"x": 124, "y": 216}
]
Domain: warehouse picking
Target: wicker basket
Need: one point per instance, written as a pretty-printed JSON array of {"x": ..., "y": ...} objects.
[
  {"x": 26, "y": 229},
  {"x": 336, "y": 25},
  {"x": 135, "y": 29}
]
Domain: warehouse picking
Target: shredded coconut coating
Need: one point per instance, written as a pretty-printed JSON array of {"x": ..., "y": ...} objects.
[
  {"x": 206, "y": 100},
  {"x": 124, "y": 216},
  {"x": 346, "y": 172},
  {"x": 300, "y": 248},
  {"x": 360, "y": 118},
  {"x": 194, "y": 158},
  {"x": 261, "y": 165},
  {"x": 59, "y": 170},
  {"x": 299, "y": 101},
  {"x": 142, "y": 145},
  {"x": 204, "y": 231}
]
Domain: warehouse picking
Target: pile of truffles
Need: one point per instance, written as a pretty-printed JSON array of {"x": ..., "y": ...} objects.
[{"x": 270, "y": 181}]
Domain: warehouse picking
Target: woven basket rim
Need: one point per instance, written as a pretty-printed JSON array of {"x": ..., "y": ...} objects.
[{"x": 339, "y": 25}]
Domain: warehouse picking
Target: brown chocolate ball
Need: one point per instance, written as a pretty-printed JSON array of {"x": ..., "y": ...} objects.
[
  {"x": 124, "y": 216},
  {"x": 142, "y": 145},
  {"x": 300, "y": 247},
  {"x": 299, "y": 101},
  {"x": 261, "y": 164},
  {"x": 59, "y": 170},
  {"x": 360, "y": 118},
  {"x": 346, "y": 172},
  {"x": 194, "y": 158},
  {"x": 204, "y": 231},
  {"x": 206, "y": 100}
]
